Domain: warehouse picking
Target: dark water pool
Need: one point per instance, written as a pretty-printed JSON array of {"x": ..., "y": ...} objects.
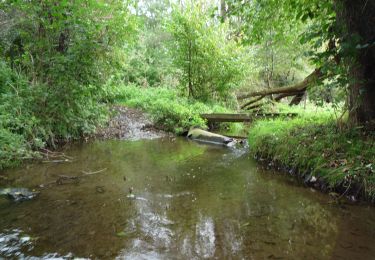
[{"x": 174, "y": 199}]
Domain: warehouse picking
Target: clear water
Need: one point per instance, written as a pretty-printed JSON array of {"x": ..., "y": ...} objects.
[{"x": 174, "y": 199}]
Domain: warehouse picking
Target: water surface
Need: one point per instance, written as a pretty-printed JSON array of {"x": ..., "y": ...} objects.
[{"x": 174, "y": 199}]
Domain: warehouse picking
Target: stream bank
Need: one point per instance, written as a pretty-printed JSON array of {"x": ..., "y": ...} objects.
[
  {"x": 129, "y": 124},
  {"x": 337, "y": 161}
]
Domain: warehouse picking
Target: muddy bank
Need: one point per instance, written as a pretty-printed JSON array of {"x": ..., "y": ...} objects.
[
  {"x": 129, "y": 124},
  {"x": 352, "y": 192}
]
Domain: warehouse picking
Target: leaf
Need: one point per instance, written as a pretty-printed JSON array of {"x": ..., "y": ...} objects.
[{"x": 121, "y": 234}]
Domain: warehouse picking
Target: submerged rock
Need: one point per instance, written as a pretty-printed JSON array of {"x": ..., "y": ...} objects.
[
  {"x": 208, "y": 137},
  {"x": 18, "y": 194}
]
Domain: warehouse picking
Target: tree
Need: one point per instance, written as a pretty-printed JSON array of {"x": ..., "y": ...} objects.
[
  {"x": 359, "y": 19},
  {"x": 211, "y": 64},
  {"x": 65, "y": 51},
  {"x": 341, "y": 33},
  {"x": 148, "y": 62}
]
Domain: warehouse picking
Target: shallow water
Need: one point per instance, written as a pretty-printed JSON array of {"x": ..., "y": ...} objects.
[{"x": 174, "y": 199}]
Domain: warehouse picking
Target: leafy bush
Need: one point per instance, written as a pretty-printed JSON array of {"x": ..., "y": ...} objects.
[
  {"x": 18, "y": 127},
  {"x": 167, "y": 108}
]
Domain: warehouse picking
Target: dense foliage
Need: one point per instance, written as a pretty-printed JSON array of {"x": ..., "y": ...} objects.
[
  {"x": 211, "y": 64},
  {"x": 340, "y": 35},
  {"x": 54, "y": 61}
]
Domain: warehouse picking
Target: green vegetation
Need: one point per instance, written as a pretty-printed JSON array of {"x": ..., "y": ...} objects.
[
  {"x": 314, "y": 144},
  {"x": 211, "y": 65},
  {"x": 54, "y": 61},
  {"x": 63, "y": 64},
  {"x": 168, "y": 110}
]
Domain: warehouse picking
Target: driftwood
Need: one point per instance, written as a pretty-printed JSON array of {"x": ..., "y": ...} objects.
[
  {"x": 54, "y": 157},
  {"x": 297, "y": 91}
]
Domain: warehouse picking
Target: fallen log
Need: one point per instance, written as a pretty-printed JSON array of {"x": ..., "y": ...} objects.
[{"x": 298, "y": 91}]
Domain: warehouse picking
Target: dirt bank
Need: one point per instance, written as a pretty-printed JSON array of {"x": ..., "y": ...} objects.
[{"x": 129, "y": 124}]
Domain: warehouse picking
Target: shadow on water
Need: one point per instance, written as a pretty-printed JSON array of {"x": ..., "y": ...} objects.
[{"x": 173, "y": 199}]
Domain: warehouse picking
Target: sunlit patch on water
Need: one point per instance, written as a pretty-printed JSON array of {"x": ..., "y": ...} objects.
[
  {"x": 150, "y": 231},
  {"x": 13, "y": 242},
  {"x": 205, "y": 238}
]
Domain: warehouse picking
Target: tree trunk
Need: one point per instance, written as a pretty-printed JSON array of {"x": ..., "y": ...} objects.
[
  {"x": 360, "y": 20},
  {"x": 223, "y": 10},
  {"x": 297, "y": 99},
  {"x": 190, "y": 77}
]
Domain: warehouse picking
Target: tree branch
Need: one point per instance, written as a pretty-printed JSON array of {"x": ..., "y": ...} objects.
[{"x": 251, "y": 102}]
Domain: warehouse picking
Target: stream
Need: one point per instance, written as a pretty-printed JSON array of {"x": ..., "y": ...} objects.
[{"x": 170, "y": 198}]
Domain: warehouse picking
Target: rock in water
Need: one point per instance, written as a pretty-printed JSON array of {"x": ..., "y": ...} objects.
[
  {"x": 18, "y": 194},
  {"x": 205, "y": 136}
]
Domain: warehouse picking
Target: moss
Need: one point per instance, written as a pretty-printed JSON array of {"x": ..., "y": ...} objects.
[{"x": 343, "y": 158}]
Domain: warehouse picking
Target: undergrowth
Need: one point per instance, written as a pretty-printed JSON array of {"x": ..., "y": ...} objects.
[
  {"x": 34, "y": 116},
  {"x": 168, "y": 109},
  {"x": 313, "y": 143}
]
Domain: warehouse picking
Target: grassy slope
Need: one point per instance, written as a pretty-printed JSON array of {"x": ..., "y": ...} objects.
[
  {"x": 168, "y": 109},
  {"x": 313, "y": 144}
]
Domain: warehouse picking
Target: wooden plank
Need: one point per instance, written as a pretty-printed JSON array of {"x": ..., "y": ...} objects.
[{"x": 249, "y": 117}]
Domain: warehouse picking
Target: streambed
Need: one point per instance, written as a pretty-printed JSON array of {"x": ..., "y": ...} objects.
[{"x": 170, "y": 198}]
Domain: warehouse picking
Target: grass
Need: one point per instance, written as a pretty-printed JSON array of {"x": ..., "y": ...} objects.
[
  {"x": 168, "y": 110},
  {"x": 313, "y": 143}
]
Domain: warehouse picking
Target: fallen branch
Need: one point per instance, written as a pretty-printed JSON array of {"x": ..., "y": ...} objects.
[
  {"x": 254, "y": 106},
  {"x": 284, "y": 95},
  {"x": 251, "y": 102},
  {"x": 57, "y": 157},
  {"x": 61, "y": 178},
  {"x": 92, "y": 173},
  {"x": 57, "y": 161}
]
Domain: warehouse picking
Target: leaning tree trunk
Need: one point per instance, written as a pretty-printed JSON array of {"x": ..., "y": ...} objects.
[
  {"x": 360, "y": 20},
  {"x": 297, "y": 91}
]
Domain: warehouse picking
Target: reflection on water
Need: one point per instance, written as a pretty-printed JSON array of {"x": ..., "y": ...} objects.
[{"x": 174, "y": 199}]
